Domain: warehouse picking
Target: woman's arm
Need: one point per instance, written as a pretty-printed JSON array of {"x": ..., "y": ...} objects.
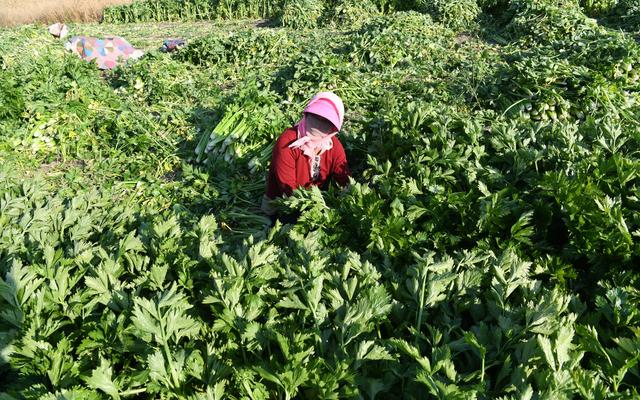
[
  {"x": 283, "y": 166},
  {"x": 340, "y": 167}
]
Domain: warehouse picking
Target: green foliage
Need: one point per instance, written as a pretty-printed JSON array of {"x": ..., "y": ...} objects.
[
  {"x": 388, "y": 41},
  {"x": 350, "y": 14},
  {"x": 598, "y": 8},
  {"x": 160, "y": 10},
  {"x": 487, "y": 246},
  {"x": 628, "y": 6},
  {"x": 301, "y": 14},
  {"x": 291, "y": 13},
  {"x": 543, "y": 21},
  {"x": 191, "y": 10},
  {"x": 12, "y": 101},
  {"x": 492, "y": 5},
  {"x": 625, "y": 15},
  {"x": 457, "y": 14}
]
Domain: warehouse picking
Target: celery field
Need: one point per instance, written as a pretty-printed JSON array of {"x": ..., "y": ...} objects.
[{"x": 488, "y": 246}]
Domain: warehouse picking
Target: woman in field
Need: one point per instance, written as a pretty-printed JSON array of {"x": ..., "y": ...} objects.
[{"x": 308, "y": 154}]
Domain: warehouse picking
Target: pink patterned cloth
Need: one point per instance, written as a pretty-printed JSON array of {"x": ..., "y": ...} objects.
[
  {"x": 329, "y": 106},
  {"x": 107, "y": 53}
]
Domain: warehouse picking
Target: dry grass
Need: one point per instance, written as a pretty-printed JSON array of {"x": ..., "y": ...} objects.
[{"x": 16, "y": 12}]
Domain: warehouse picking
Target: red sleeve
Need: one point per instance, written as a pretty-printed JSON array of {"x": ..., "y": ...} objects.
[
  {"x": 283, "y": 167},
  {"x": 339, "y": 167}
]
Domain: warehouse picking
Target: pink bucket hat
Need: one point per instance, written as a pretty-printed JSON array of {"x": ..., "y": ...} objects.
[{"x": 329, "y": 106}]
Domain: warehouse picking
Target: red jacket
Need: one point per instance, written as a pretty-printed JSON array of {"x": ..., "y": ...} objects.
[{"x": 290, "y": 167}]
